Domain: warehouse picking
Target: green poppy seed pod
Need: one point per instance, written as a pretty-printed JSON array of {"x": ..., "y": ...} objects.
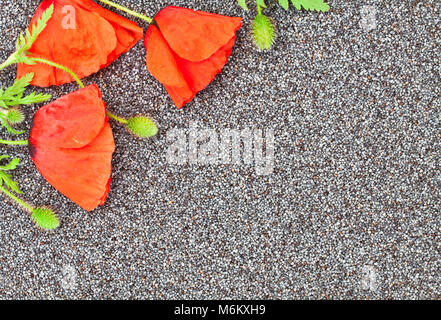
[
  {"x": 15, "y": 116},
  {"x": 45, "y": 218},
  {"x": 142, "y": 127},
  {"x": 263, "y": 32}
]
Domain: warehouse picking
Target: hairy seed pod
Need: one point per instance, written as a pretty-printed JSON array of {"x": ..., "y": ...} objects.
[
  {"x": 142, "y": 127},
  {"x": 263, "y": 32},
  {"x": 15, "y": 116}
]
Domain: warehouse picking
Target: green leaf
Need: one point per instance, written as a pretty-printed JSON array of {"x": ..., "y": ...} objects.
[
  {"x": 25, "y": 43},
  {"x": 18, "y": 87},
  {"x": 284, "y": 4},
  {"x": 11, "y": 165},
  {"x": 30, "y": 99},
  {"x": 243, "y": 4},
  {"x": 142, "y": 127},
  {"x": 317, "y": 5},
  {"x": 263, "y": 32},
  {"x": 13, "y": 96},
  {"x": 45, "y": 218},
  {"x": 261, "y": 3},
  {"x": 7, "y": 180}
]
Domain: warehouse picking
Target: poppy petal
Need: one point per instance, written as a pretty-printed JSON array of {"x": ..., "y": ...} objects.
[
  {"x": 128, "y": 33},
  {"x": 182, "y": 79},
  {"x": 161, "y": 61},
  {"x": 199, "y": 74},
  {"x": 95, "y": 40},
  {"x": 180, "y": 95},
  {"x": 77, "y": 161},
  {"x": 72, "y": 121},
  {"x": 82, "y": 175},
  {"x": 196, "y": 35}
]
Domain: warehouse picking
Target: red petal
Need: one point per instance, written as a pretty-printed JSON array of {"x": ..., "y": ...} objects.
[
  {"x": 196, "y": 35},
  {"x": 99, "y": 38},
  {"x": 77, "y": 160},
  {"x": 180, "y": 95},
  {"x": 200, "y": 74},
  {"x": 72, "y": 121},
  {"x": 161, "y": 60},
  {"x": 128, "y": 33},
  {"x": 82, "y": 175},
  {"x": 183, "y": 79}
]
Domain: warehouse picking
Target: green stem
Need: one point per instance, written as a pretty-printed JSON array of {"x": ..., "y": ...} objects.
[
  {"x": 116, "y": 118},
  {"x": 259, "y": 9},
  {"x": 59, "y": 66},
  {"x": 15, "y": 143},
  {"x": 9, "y": 61},
  {"x": 133, "y": 13},
  {"x": 73, "y": 75},
  {"x": 15, "y": 198}
]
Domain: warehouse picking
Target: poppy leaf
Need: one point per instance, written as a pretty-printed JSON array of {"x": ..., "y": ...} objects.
[
  {"x": 7, "y": 180},
  {"x": 45, "y": 218},
  {"x": 13, "y": 95},
  {"x": 284, "y": 4},
  {"x": 261, "y": 3},
  {"x": 18, "y": 87},
  {"x": 25, "y": 43},
  {"x": 243, "y": 4},
  {"x": 11, "y": 165},
  {"x": 21, "y": 41},
  {"x": 31, "y": 98},
  {"x": 317, "y": 5}
]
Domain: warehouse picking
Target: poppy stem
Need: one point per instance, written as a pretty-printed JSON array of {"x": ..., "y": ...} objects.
[
  {"x": 73, "y": 75},
  {"x": 259, "y": 9},
  {"x": 15, "y": 143},
  {"x": 116, "y": 118},
  {"x": 59, "y": 66},
  {"x": 133, "y": 13},
  {"x": 15, "y": 198}
]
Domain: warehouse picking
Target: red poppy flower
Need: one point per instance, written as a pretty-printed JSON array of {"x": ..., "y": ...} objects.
[
  {"x": 71, "y": 144},
  {"x": 186, "y": 49},
  {"x": 82, "y": 36}
]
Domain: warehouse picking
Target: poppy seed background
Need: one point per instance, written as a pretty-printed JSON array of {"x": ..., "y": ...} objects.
[{"x": 352, "y": 209}]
